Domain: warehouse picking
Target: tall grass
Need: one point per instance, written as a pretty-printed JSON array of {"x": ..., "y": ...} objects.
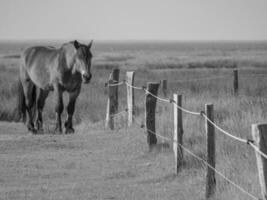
[
  {"x": 234, "y": 113},
  {"x": 8, "y": 90}
]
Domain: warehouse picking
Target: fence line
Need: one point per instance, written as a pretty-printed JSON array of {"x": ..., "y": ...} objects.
[
  {"x": 113, "y": 115},
  {"x": 185, "y": 110},
  {"x": 182, "y": 81},
  {"x": 115, "y": 84},
  {"x": 185, "y": 81},
  {"x": 223, "y": 131},
  {"x": 159, "y": 98},
  {"x": 201, "y": 159},
  {"x": 119, "y": 113},
  {"x": 201, "y": 113},
  {"x": 246, "y": 141},
  {"x": 257, "y": 149},
  {"x": 150, "y": 130},
  {"x": 134, "y": 87}
]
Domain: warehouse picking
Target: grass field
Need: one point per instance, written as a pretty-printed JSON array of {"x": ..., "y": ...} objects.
[{"x": 180, "y": 66}]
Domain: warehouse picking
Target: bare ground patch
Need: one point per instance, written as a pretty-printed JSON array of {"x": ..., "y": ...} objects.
[{"x": 90, "y": 164}]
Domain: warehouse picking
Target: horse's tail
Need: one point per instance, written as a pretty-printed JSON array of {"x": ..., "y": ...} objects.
[{"x": 21, "y": 103}]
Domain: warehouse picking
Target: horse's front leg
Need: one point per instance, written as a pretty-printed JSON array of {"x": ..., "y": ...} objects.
[
  {"x": 70, "y": 109},
  {"x": 59, "y": 107}
]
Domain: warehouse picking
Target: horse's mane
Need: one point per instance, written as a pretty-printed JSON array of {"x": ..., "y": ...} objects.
[
  {"x": 68, "y": 43},
  {"x": 65, "y": 45},
  {"x": 51, "y": 47},
  {"x": 72, "y": 42}
]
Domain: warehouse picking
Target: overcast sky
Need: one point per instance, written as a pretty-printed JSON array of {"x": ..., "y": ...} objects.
[{"x": 134, "y": 19}]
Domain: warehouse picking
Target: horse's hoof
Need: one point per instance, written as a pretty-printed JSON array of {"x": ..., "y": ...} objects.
[
  {"x": 69, "y": 130},
  {"x": 32, "y": 129},
  {"x": 39, "y": 126},
  {"x": 58, "y": 130},
  {"x": 40, "y": 131}
]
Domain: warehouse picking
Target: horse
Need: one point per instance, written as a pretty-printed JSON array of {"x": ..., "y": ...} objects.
[{"x": 44, "y": 69}]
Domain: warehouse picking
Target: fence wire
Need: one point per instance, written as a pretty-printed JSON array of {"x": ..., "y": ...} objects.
[
  {"x": 223, "y": 131},
  {"x": 201, "y": 113},
  {"x": 185, "y": 110},
  {"x": 257, "y": 149},
  {"x": 114, "y": 84},
  {"x": 247, "y": 141},
  {"x": 134, "y": 87},
  {"x": 200, "y": 159},
  {"x": 118, "y": 113}
]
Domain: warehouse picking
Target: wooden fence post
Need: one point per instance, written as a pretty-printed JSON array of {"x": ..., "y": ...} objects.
[
  {"x": 259, "y": 134},
  {"x": 164, "y": 88},
  {"x": 112, "y": 106},
  {"x": 210, "y": 131},
  {"x": 235, "y": 83},
  {"x": 150, "y": 104},
  {"x": 130, "y": 97},
  {"x": 178, "y": 133}
]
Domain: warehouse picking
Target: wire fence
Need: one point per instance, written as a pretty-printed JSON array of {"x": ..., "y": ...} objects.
[
  {"x": 198, "y": 158},
  {"x": 201, "y": 113},
  {"x": 249, "y": 142},
  {"x": 142, "y": 127}
]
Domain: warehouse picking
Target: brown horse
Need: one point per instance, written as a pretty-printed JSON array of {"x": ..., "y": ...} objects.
[{"x": 45, "y": 69}]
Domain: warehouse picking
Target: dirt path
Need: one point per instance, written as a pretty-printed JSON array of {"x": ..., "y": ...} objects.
[{"x": 91, "y": 164}]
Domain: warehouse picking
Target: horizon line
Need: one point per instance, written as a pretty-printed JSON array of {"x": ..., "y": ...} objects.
[{"x": 130, "y": 40}]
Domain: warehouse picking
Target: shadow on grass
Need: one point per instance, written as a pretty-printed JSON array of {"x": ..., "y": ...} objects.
[{"x": 164, "y": 179}]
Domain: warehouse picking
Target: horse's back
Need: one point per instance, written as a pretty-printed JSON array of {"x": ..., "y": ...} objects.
[
  {"x": 39, "y": 54},
  {"x": 38, "y": 63}
]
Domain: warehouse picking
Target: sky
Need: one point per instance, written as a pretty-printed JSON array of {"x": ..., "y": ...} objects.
[{"x": 133, "y": 19}]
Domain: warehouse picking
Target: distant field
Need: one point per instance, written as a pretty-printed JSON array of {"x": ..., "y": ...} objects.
[
  {"x": 175, "y": 62},
  {"x": 154, "y": 60},
  {"x": 162, "y": 55}
]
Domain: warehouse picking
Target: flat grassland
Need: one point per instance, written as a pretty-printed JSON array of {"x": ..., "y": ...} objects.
[{"x": 99, "y": 164}]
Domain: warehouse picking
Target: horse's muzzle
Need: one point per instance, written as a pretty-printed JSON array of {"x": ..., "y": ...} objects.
[{"x": 86, "y": 78}]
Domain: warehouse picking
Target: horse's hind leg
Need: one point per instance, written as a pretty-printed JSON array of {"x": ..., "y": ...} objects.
[
  {"x": 29, "y": 91},
  {"x": 70, "y": 109},
  {"x": 41, "y": 97},
  {"x": 59, "y": 107}
]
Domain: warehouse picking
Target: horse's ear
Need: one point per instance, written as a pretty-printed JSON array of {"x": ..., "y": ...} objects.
[
  {"x": 76, "y": 44},
  {"x": 90, "y": 44}
]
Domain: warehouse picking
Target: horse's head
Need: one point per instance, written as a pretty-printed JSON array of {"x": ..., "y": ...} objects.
[{"x": 82, "y": 62}]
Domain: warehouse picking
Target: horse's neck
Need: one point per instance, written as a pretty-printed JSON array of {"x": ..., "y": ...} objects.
[{"x": 67, "y": 52}]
